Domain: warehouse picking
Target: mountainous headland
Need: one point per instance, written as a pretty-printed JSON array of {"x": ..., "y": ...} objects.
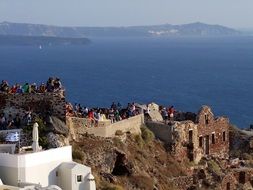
[
  {"x": 40, "y": 40},
  {"x": 141, "y": 146},
  {"x": 165, "y": 30}
]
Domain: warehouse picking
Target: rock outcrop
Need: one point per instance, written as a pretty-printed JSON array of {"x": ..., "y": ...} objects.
[
  {"x": 56, "y": 140},
  {"x": 133, "y": 164},
  {"x": 56, "y": 125}
]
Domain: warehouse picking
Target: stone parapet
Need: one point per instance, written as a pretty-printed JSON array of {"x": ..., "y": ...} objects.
[{"x": 81, "y": 126}]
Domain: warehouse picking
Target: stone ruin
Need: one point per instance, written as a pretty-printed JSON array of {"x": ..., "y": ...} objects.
[
  {"x": 193, "y": 139},
  {"x": 39, "y": 103},
  {"x": 49, "y": 106}
]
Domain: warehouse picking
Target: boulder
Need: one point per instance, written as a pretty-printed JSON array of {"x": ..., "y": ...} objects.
[
  {"x": 235, "y": 163},
  {"x": 153, "y": 106},
  {"x": 155, "y": 115},
  {"x": 108, "y": 177},
  {"x": 55, "y": 140},
  {"x": 56, "y": 125}
]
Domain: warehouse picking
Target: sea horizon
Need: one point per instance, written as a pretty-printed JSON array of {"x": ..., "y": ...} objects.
[{"x": 184, "y": 72}]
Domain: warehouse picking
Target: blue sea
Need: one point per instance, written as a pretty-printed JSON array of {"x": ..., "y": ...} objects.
[{"x": 184, "y": 72}]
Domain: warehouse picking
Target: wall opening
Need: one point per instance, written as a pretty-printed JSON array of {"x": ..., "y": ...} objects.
[
  {"x": 121, "y": 167},
  {"x": 207, "y": 144},
  {"x": 213, "y": 138},
  {"x": 190, "y": 152},
  {"x": 200, "y": 142},
  {"x": 79, "y": 178},
  {"x": 190, "y": 136},
  {"x": 224, "y": 136},
  {"x": 206, "y": 119},
  {"x": 228, "y": 186},
  {"x": 242, "y": 177},
  {"x": 190, "y": 146}
]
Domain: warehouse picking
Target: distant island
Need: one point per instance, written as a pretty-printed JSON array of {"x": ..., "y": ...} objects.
[
  {"x": 40, "y": 40},
  {"x": 166, "y": 30}
]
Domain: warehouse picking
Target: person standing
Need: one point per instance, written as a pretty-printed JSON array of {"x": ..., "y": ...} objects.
[
  {"x": 171, "y": 113},
  {"x": 10, "y": 122},
  {"x": 17, "y": 121},
  {"x": 2, "y": 122}
]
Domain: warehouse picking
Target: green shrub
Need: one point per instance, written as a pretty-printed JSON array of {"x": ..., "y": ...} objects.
[
  {"x": 214, "y": 167},
  {"x": 142, "y": 182},
  {"x": 139, "y": 140},
  {"x": 113, "y": 187},
  {"x": 42, "y": 126},
  {"x": 246, "y": 156},
  {"x": 28, "y": 129},
  {"x": 147, "y": 135},
  {"x": 107, "y": 186},
  {"x": 119, "y": 133},
  {"x": 43, "y": 141},
  {"x": 77, "y": 154},
  {"x": 118, "y": 142}
]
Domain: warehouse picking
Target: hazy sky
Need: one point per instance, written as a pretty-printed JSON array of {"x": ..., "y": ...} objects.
[{"x": 233, "y": 13}]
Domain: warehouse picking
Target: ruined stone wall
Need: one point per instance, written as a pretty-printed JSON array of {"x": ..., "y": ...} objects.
[
  {"x": 192, "y": 140},
  {"x": 177, "y": 136},
  {"x": 161, "y": 131},
  {"x": 209, "y": 136},
  {"x": 208, "y": 126},
  {"x": 37, "y": 103},
  {"x": 243, "y": 175},
  {"x": 237, "y": 177},
  {"x": 229, "y": 182},
  {"x": 81, "y": 126},
  {"x": 184, "y": 149},
  {"x": 132, "y": 125}
]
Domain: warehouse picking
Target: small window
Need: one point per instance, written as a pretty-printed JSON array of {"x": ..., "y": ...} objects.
[
  {"x": 206, "y": 119},
  {"x": 228, "y": 186},
  {"x": 213, "y": 138},
  {"x": 190, "y": 136},
  {"x": 224, "y": 136},
  {"x": 200, "y": 141},
  {"x": 56, "y": 173},
  {"x": 79, "y": 178}
]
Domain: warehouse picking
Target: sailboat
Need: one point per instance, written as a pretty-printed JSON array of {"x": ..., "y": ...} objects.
[{"x": 40, "y": 47}]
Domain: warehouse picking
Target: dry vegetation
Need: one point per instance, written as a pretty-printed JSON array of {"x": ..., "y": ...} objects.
[
  {"x": 142, "y": 162},
  {"x": 148, "y": 164}
]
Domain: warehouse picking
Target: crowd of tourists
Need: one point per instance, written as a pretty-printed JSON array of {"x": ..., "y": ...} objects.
[
  {"x": 115, "y": 113},
  {"x": 8, "y": 122},
  {"x": 168, "y": 113},
  {"x": 53, "y": 84}
]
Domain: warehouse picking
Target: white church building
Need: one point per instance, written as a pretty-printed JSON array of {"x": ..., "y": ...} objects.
[{"x": 44, "y": 168}]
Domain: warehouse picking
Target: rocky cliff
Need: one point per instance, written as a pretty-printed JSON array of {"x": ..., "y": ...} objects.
[{"x": 130, "y": 161}]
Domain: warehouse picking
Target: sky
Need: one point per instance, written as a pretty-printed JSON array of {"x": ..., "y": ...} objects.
[{"x": 232, "y": 13}]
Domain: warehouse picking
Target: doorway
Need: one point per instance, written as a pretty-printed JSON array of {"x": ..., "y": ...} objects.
[
  {"x": 242, "y": 177},
  {"x": 207, "y": 144},
  {"x": 228, "y": 186},
  {"x": 190, "y": 146}
]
